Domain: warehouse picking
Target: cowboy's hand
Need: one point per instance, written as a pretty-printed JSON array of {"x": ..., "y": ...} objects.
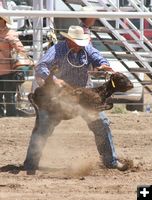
[
  {"x": 105, "y": 68},
  {"x": 59, "y": 82}
]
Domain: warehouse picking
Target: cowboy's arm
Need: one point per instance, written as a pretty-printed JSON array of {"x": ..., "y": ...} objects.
[
  {"x": 42, "y": 69},
  {"x": 44, "y": 66},
  {"x": 104, "y": 67},
  {"x": 97, "y": 60}
]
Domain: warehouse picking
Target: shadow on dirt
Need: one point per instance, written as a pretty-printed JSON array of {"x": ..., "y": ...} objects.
[
  {"x": 63, "y": 172},
  {"x": 15, "y": 169}
]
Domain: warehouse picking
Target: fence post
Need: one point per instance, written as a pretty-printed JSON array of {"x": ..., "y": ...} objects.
[{"x": 37, "y": 31}]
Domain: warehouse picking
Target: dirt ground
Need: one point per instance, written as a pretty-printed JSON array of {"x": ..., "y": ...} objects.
[{"x": 70, "y": 167}]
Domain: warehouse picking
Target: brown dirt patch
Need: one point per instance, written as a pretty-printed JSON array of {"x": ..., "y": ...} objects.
[{"x": 70, "y": 166}]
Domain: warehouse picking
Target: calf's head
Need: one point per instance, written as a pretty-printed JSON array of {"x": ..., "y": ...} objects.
[{"x": 120, "y": 82}]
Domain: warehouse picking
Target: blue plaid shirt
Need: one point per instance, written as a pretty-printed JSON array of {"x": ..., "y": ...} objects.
[{"x": 58, "y": 55}]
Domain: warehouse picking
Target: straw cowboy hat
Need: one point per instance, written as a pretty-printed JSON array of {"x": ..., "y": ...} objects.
[
  {"x": 5, "y": 18},
  {"x": 77, "y": 35}
]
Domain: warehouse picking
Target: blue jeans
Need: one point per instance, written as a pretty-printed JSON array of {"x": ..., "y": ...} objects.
[
  {"x": 109, "y": 155},
  {"x": 44, "y": 126},
  {"x": 103, "y": 138}
]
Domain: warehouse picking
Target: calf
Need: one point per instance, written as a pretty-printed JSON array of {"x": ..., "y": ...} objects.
[
  {"x": 64, "y": 100},
  {"x": 98, "y": 96}
]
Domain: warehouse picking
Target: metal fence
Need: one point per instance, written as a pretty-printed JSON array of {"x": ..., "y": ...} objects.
[{"x": 36, "y": 37}]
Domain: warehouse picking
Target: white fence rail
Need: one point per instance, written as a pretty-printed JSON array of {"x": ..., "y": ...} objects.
[{"x": 77, "y": 14}]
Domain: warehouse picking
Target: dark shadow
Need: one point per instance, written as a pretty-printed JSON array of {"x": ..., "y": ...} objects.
[{"x": 15, "y": 169}]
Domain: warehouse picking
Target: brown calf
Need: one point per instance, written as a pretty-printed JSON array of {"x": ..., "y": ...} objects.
[{"x": 54, "y": 99}]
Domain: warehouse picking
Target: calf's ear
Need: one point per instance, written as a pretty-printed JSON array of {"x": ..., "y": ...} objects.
[
  {"x": 113, "y": 83},
  {"x": 112, "y": 80}
]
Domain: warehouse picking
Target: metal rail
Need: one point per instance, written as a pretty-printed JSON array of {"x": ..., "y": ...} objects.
[{"x": 77, "y": 14}]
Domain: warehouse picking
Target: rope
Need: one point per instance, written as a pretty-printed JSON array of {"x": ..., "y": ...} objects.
[{"x": 73, "y": 65}]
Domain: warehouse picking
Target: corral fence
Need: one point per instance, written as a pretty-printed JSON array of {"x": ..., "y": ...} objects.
[{"x": 36, "y": 35}]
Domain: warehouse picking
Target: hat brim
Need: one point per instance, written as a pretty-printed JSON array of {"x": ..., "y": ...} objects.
[
  {"x": 6, "y": 19},
  {"x": 80, "y": 42}
]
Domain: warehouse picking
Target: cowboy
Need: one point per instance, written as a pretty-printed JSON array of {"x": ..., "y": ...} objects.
[{"x": 72, "y": 58}]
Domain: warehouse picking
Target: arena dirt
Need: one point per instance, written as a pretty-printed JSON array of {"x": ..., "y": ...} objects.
[{"x": 70, "y": 167}]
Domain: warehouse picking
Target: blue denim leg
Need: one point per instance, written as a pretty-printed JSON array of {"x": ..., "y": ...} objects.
[
  {"x": 44, "y": 127},
  {"x": 103, "y": 138},
  {"x": 111, "y": 153}
]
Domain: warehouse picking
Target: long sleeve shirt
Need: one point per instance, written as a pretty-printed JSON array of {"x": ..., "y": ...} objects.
[
  {"x": 8, "y": 40},
  {"x": 73, "y": 67}
]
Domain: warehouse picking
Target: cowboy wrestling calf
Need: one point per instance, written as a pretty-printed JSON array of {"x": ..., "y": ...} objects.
[{"x": 54, "y": 104}]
